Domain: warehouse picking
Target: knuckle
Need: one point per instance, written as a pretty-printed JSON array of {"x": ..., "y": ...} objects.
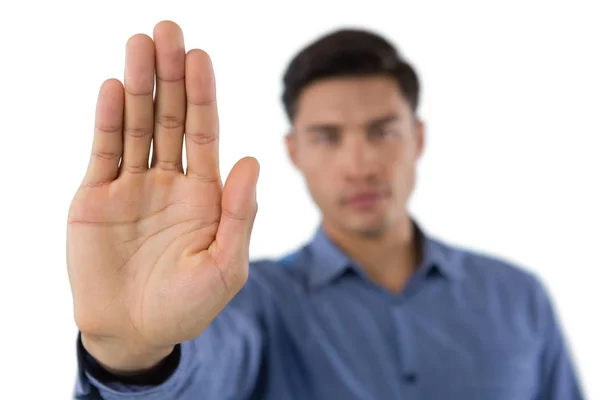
[
  {"x": 95, "y": 184},
  {"x": 238, "y": 278},
  {"x": 204, "y": 178},
  {"x": 138, "y": 133},
  {"x": 138, "y": 93},
  {"x": 169, "y": 121},
  {"x": 134, "y": 169},
  {"x": 105, "y": 155},
  {"x": 233, "y": 215},
  {"x": 108, "y": 128},
  {"x": 169, "y": 166},
  {"x": 202, "y": 137}
]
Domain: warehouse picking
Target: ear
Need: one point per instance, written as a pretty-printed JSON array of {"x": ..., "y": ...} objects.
[
  {"x": 292, "y": 148},
  {"x": 420, "y": 132}
]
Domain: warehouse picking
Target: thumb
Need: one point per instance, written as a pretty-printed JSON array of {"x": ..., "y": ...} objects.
[{"x": 238, "y": 211}]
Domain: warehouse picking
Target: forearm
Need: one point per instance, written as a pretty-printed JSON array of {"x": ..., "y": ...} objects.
[
  {"x": 223, "y": 362},
  {"x": 95, "y": 381}
]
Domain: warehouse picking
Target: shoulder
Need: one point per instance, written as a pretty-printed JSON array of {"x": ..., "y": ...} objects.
[
  {"x": 480, "y": 264},
  {"x": 287, "y": 269},
  {"x": 495, "y": 274},
  {"x": 501, "y": 287}
]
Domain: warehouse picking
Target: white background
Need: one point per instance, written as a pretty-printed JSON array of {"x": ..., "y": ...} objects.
[{"x": 511, "y": 97}]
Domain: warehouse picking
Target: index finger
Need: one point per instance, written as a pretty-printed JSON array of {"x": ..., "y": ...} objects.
[{"x": 202, "y": 120}]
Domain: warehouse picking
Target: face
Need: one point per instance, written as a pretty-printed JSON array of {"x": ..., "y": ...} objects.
[{"x": 356, "y": 142}]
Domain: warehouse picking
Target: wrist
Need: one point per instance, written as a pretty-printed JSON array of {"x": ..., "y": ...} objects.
[{"x": 125, "y": 359}]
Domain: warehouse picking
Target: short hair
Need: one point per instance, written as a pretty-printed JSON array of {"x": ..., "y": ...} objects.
[{"x": 347, "y": 53}]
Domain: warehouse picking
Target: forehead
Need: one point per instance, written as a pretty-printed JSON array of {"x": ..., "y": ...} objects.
[{"x": 350, "y": 100}]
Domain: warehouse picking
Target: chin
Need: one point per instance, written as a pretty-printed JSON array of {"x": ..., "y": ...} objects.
[{"x": 368, "y": 229}]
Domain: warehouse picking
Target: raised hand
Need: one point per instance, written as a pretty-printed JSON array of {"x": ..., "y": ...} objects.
[{"x": 154, "y": 252}]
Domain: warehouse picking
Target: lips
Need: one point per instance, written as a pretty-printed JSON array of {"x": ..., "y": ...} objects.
[{"x": 364, "y": 200}]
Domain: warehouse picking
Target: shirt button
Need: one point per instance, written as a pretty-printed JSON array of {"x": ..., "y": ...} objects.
[{"x": 410, "y": 378}]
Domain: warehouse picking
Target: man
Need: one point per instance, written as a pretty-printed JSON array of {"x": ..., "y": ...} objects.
[{"x": 169, "y": 306}]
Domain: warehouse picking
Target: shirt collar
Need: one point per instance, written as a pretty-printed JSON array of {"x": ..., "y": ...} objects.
[{"x": 329, "y": 262}]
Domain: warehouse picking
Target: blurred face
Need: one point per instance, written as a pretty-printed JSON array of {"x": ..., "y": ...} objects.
[{"x": 356, "y": 142}]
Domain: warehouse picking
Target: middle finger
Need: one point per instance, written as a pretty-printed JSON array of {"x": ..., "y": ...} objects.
[{"x": 170, "y": 103}]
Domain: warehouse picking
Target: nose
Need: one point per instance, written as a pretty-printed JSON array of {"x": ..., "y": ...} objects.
[{"x": 358, "y": 158}]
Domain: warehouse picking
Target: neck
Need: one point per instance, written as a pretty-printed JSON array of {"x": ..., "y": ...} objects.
[{"x": 388, "y": 259}]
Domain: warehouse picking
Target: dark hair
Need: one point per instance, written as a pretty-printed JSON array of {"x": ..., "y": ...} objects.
[{"x": 348, "y": 52}]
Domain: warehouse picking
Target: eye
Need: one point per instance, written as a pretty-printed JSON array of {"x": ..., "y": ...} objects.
[
  {"x": 327, "y": 137},
  {"x": 383, "y": 132}
]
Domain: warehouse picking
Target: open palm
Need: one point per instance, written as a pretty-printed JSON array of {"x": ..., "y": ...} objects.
[{"x": 154, "y": 252}]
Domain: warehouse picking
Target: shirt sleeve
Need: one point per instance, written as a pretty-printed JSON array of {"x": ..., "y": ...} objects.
[
  {"x": 225, "y": 362},
  {"x": 559, "y": 379}
]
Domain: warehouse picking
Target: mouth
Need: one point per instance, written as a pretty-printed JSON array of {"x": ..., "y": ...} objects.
[{"x": 364, "y": 200}]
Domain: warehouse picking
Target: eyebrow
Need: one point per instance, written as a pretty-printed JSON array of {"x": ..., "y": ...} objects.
[
  {"x": 384, "y": 120},
  {"x": 331, "y": 127}
]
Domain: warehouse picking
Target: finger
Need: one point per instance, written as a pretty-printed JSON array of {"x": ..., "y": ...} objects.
[
  {"x": 170, "y": 96},
  {"x": 202, "y": 121},
  {"x": 238, "y": 212},
  {"x": 139, "y": 104},
  {"x": 107, "y": 145}
]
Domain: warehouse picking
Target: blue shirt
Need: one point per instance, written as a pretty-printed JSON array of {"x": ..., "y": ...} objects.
[{"x": 312, "y": 326}]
